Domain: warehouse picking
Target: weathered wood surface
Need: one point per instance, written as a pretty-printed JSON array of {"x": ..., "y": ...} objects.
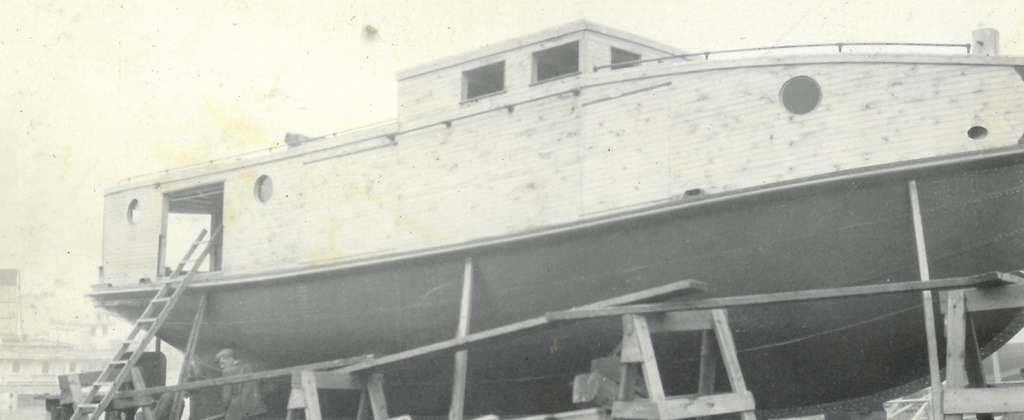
[
  {"x": 237, "y": 379},
  {"x": 977, "y": 281},
  {"x": 926, "y": 297}
]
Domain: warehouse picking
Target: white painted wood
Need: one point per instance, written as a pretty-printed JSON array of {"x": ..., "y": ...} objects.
[{"x": 631, "y": 137}]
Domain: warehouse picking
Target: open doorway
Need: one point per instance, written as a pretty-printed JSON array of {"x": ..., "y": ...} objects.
[{"x": 186, "y": 213}]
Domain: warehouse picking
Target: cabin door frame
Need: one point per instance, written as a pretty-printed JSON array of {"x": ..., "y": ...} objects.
[{"x": 214, "y": 190}]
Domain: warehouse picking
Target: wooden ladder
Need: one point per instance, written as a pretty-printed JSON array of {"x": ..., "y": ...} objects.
[{"x": 120, "y": 368}]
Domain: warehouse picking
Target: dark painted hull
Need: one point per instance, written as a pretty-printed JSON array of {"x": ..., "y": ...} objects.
[{"x": 796, "y": 357}]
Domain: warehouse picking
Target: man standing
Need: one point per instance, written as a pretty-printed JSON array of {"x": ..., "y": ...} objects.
[{"x": 242, "y": 401}]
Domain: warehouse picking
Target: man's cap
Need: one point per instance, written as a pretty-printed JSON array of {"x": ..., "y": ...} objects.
[{"x": 225, "y": 353}]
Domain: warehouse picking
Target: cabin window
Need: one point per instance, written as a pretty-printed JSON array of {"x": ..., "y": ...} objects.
[
  {"x": 133, "y": 211},
  {"x": 483, "y": 81},
  {"x": 264, "y": 188},
  {"x": 187, "y": 212},
  {"x": 555, "y": 62},
  {"x": 800, "y": 94},
  {"x": 622, "y": 59}
]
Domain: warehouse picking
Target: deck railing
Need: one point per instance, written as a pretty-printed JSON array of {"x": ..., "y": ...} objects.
[{"x": 838, "y": 45}]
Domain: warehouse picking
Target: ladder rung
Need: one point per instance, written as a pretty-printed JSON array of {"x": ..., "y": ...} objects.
[
  {"x": 118, "y": 362},
  {"x": 88, "y": 406},
  {"x": 101, "y": 384},
  {"x": 146, "y": 320},
  {"x": 160, "y": 299}
]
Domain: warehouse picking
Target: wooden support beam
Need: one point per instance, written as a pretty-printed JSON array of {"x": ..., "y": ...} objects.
[
  {"x": 983, "y": 400},
  {"x": 976, "y": 281},
  {"x": 929, "y": 309},
  {"x": 584, "y": 414},
  {"x": 684, "y": 406},
  {"x": 378, "y": 402},
  {"x": 249, "y": 377},
  {"x": 363, "y": 411},
  {"x": 311, "y": 395},
  {"x": 674, "y": 289},
  {"x": 190, "y": 349},
  {"x": 455, "y": 410},
  {"x": 708, "y": 363},
  {"x": 139, "y": 383}
]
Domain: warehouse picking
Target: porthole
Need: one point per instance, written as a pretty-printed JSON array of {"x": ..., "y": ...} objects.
[
  {"x": 133, "y": 211},
  {"x": 264, "y": 188},
  {"x": 800, "y": 95},
  {"x": 977, "y": 132}
]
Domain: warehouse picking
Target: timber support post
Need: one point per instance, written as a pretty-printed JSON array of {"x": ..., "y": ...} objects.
[{"x": 965, "y": 390}]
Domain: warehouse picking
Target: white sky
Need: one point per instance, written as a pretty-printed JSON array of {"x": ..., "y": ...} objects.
[{"x": 92, "y": 92}]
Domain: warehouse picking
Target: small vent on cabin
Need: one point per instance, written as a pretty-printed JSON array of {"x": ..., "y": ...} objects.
[
  {"x": 977, "y": 132},
  {"x": 800, "y": 94},
  {"x": 264, "y": 188},
  {"x": 133, "y": 211}
]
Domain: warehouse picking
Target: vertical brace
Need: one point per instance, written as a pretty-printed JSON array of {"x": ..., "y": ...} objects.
[
  {"x": 929, "y": 309},
  {"x": 311, "y": 395},
  {"x": 363, "y": 412},
  {"x": 378, "y": 403},
  {"x": 727, "y": 350},
  {"x": 963, "y": 361},
  {"x": 190, "y": 349},
  {"x": 708, "y": 363},
  {"x": 455, "y": 411},
  {"x": 649, "y": 364},
  {"x": 138, "y": 383}
]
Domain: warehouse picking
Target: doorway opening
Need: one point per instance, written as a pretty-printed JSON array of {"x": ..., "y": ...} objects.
[{"x": 186, "y": 213}]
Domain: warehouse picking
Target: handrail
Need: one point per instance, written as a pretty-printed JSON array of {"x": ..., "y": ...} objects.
[{"x": 839, "y": 45}]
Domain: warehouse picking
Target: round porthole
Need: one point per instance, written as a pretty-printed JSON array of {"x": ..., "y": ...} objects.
[
  {"x": 977, "y": 132},
  {"x": 800, "y": 95},
  {"x": 133, "y": 211},
  {"x": 264, "y": 188}
]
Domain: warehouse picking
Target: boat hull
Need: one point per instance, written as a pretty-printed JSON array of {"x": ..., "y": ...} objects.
[{"x": 797, "y": 357}]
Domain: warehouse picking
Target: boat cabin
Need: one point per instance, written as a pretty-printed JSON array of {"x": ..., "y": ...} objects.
[{"x": 556, "y": 129}]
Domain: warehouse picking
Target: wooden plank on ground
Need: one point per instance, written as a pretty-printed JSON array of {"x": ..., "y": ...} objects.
[
  {"x": 980, "y": 280},
  {"x": 584, "y": 414},
  {"x": 983, "y": 400}
]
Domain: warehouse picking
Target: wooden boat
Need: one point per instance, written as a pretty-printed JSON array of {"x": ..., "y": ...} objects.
[{"x": 583, "y": 163}]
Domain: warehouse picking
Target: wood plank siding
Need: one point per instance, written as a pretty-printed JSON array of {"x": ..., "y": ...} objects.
[{"x": 579, "y": 146}]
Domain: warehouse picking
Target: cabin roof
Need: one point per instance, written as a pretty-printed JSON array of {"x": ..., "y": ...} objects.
[{"x": 502, "y": 47}]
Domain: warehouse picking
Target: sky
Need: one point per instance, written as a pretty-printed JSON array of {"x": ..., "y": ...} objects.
[{"x": 95, "y": 91}]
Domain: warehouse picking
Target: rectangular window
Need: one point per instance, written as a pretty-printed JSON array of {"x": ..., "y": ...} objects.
[
  {"x": 46, "y": 368},
  {"x": 15, "y": 366},
  {"x": 483, "y": 81},
  {"x": 622, "y": 59},
  {"x": 556, "y": 62}
]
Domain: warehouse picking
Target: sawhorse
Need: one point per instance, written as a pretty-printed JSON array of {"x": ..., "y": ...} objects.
[
  {"x": 305, "y": 395},
  {"x": 622, "y": 390},
  {"x": 965, "y": 390}
]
